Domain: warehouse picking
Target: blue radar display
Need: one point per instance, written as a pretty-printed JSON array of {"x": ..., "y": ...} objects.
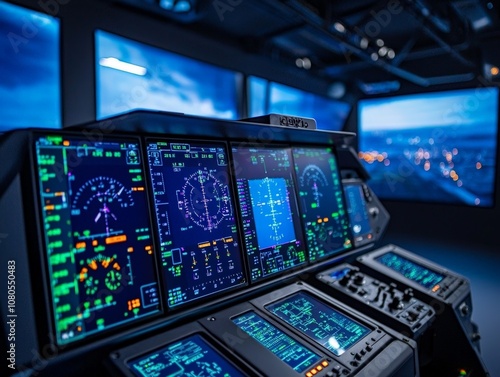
[
  {"x": 188, "y": 357},
  {"x": 200, "y": 253},
  {"x": 321, "y": 201},
  {"x": 320, "y": 322},
  {"x": 294, "y": 354},
  {"x": 410, "y": 270},
  {"x": 269, "y": 211},
  {"x": 97, "y": 234}
]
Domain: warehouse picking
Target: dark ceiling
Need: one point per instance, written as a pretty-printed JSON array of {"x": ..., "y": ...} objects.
[{"x": 422, "y": 42}]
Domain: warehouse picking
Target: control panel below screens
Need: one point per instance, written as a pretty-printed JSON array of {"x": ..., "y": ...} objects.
[
  {"x": 395, "y": 263},
  {"x": 381, "y": 300}
]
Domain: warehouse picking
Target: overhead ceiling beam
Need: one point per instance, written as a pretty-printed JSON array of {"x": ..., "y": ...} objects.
[{"x": 317, "y": 22}]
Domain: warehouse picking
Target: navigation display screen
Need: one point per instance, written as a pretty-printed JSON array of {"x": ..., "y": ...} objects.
[
  {"x": 189, "y": 357},
  {"x": 410, "y": 270},
  {"x": 294, "y": 354},
  {"x": 321, "y": 202},
  {"x": 268, "y": 204},
  {"x": 320, "y": 322},
  {"x": 200, "y": 253},
  {"x": 97, "y": 234}
]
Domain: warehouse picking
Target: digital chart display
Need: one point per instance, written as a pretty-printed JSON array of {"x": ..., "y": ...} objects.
[
  {"x": 271, "y": 228},
  {"x": 200, "y": 253},
  {"x": 294, "y": 354},
  {"x": 320, "y": 322},
  {"x": 324, "y": 215},
  {"x": 410, "y": 270},
  {"x": 189, "y": 357},
  {"x": 97, "y": 234},
  {"x": 356, "y": 207}
]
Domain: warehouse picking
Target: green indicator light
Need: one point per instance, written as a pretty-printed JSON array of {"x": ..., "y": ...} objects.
[
  {"x": 135, "y": 171},
  {"x": 55, "y": 139},
  {"x": 335, "y": 214},
  {"x": 142, "y": 238},
  {"x": 109, "y": 299},
  {"x": 314, "y": 205},
  {"x": 100, "y": 322},
  {"x": 99, "y": 248},
  {"x": 117, "y": 154},
  {"x": 137, "y": 179},
  {"x": 65, "y": 162},
  {"x": 98, "y": 302},
  {"x": 86, "y": 233}
]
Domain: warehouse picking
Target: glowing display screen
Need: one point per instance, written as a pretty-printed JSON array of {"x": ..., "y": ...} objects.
[
  {"x": 132, "y": 75},
  {"x": 188, "y": 357},
  {"x": 410, "y": 270},
  {"x": 320, "y": 322},
  {"x": 194, "y": 208},
  {"x": 97, "y": 234},
  {"x": 294, "y": 354},
  {"x": 356, "y": 207},
  {"x": 271, "y": 229},
  {"x": 443, "y": 141},
  {"x": 321, "y": 202}
]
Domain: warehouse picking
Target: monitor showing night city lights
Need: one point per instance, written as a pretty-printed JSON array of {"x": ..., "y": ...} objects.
[
  {"x": 132, "y": 75},
  {"x": 30, "y": 87},
  {"x": 266, "y": 97},
  {"x": 431, "y": 147}
]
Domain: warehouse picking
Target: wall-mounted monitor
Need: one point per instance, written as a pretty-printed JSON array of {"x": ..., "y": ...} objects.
[
  {"x": 132, "y": 75},
  {"x": 269, "y": 212},
  {"x": 324, "y": 214},
  {"x": 97, "y": 234},
  {"x": 30, "y": 85},
  {"x": 435, "y": 147},
  {"x": 266, "y": 97},
  {"x": 196, "y": 219}
]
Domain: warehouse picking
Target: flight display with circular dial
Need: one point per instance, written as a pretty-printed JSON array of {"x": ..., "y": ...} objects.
[
  {"x": 103, "y": 201},
  {"x": 196, "y": 224},
  {"x": 97, "y": 234},
  {"x": 324, "y": 214},
  {"x": 205, "y": 199}
]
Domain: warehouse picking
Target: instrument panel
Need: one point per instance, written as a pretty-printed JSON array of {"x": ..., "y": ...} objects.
[{"x": 160, "y": 253}]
